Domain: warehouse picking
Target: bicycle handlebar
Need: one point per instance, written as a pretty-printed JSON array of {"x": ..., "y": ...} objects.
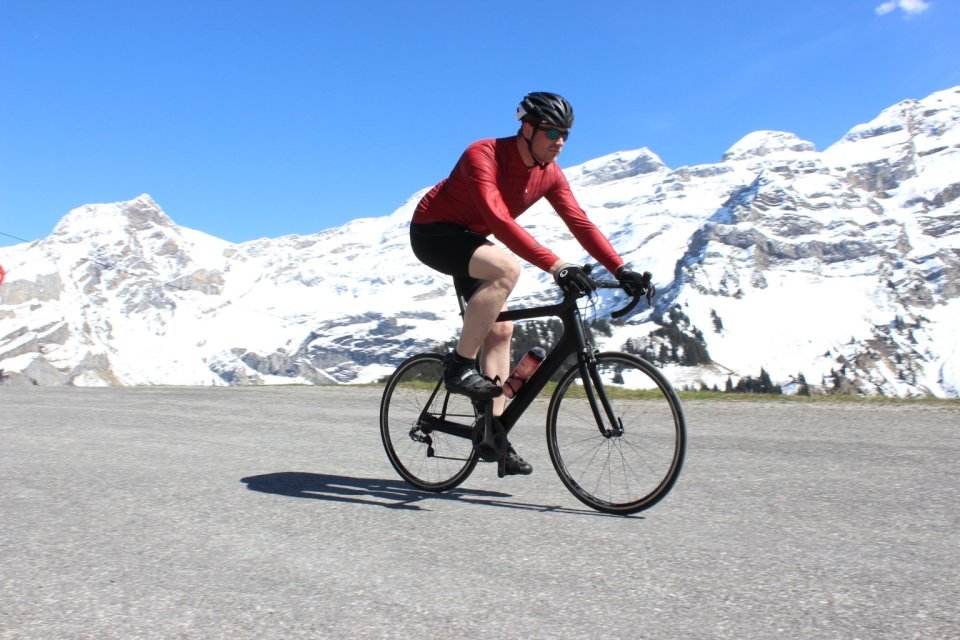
[
  {"x": 614, "y": 284},
  {"x": 634, "y": 301}
]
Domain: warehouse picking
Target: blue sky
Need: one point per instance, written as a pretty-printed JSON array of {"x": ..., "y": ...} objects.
[{"x": 259, "y": 119}]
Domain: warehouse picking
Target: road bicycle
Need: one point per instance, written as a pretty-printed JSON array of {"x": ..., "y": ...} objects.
[{"x": 616, "y": 432}]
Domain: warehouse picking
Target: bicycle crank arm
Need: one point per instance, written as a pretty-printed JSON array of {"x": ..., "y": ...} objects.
[{"x": 489, "y": 438}]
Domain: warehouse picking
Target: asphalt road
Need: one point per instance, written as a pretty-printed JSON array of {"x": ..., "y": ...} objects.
[{"x": 274, "y": 513}]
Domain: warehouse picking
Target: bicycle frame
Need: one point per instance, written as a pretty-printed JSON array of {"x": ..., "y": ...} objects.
[
  {"x": 572, "y": 341},
  {"x": 435, "y": 438}
]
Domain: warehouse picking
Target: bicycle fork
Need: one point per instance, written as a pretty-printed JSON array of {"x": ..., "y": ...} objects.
[
  {"x": 592, "y": 384},
  {"x": 593, "y": 387}
]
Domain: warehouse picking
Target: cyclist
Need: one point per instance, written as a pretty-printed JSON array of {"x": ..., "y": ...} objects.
[{"x": 495, "y": 181}]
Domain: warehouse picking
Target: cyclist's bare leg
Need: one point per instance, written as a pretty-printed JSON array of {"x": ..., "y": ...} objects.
[
  {"x": 496, "y": 357},
  {"x": 499, "y": 272}
]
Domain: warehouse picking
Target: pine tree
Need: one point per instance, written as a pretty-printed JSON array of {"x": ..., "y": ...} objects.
[{"x": 803, "y": 388}]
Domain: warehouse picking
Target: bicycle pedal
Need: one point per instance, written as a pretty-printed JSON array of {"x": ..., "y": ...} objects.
[
  {"x": 488, "y": 451},
  {"x": 489, "y": 439}
]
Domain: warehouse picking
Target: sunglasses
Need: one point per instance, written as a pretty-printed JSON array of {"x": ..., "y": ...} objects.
[{"x": 553, "y": 134}]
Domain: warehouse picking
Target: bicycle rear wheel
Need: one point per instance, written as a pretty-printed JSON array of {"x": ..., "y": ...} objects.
[
  {"x": 426, "y": 431},
  {"x": 618, "y": 473}
]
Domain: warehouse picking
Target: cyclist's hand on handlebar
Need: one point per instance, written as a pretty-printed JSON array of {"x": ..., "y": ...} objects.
[
  {"x": 634, "y": 283},
  {"x": 573, "y": 278}
]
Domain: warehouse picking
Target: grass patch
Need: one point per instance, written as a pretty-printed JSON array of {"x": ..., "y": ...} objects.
[
  {"x": 773, "y": 397},
  {"x": 576, "y": 391}
]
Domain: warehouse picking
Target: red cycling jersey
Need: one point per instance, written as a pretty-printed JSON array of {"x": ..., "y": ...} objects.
[{"x": 491, "y": 186}]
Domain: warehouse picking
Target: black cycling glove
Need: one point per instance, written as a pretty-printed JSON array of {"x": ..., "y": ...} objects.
[
  {"x": 573, "y": 278},
  {"x": 634, "y": 283}
]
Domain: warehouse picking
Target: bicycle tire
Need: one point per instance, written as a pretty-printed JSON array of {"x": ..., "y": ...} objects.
[
  {"x": 620, "y": 474},
  {"x": 413, "y": 400}
]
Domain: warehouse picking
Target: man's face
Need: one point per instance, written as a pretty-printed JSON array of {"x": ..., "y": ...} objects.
[{"x": 547, "y": 142}]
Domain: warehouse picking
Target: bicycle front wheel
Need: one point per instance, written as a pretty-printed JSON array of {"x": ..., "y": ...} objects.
[
  {"x": 426, "y": 430},
  {"x": 629, "y": 466}
]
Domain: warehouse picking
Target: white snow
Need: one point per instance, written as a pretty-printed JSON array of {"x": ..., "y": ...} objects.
[{"x": 808, "y": 271}]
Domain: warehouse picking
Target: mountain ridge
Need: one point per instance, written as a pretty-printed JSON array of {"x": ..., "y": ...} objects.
[{"x": 840, "y": 268}]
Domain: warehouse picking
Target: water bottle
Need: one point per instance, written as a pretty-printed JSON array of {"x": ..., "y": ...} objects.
[{"x": 524, "y": 369}]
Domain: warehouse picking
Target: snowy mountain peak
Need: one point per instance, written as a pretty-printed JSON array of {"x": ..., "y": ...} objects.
[
  {"x": 837, "y": 270},
  {"x": 616, "y": 166},
  {"x": 137, "y": 215},
  {"x": 760, "y": 144},
  {"x": 926, "y": 124}
]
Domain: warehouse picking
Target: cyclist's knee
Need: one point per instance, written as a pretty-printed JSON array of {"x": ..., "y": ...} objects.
[
  {"x": 510, "y": 274},
  {"x": 495, "y": 265},
  {"x": 502, "y": 331}
]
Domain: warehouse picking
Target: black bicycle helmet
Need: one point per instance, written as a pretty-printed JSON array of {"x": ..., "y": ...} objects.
[{"x": 541, "y": 107}]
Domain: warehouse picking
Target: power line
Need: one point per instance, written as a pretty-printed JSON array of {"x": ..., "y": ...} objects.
[{"x": 14, "y": 237}]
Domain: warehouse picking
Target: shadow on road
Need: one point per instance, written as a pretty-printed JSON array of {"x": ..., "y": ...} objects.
[{"x": 392, "y": 494}]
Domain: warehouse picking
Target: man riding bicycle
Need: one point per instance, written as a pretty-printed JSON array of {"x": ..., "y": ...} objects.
[{"x": 494, "y": 182}]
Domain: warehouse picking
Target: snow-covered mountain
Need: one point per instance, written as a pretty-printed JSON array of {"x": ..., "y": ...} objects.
[{"x": 840, "y": 266}]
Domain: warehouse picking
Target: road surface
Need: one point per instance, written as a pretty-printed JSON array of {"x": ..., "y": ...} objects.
[{"x": 274, "y": 513}]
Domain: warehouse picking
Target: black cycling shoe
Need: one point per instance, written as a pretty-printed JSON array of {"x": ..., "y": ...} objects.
[
  {"x": 513, "y": 465},
  {"x": 467, "y": 381}
]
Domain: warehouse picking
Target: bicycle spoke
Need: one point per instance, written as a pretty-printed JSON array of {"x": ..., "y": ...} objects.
[
  {"x": 642, "y": 455},
  {"x": 623, "y": 473},
  {"x": 411, "y": 396}
]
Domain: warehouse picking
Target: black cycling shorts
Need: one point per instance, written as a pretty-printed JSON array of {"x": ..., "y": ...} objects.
[{"x": 448, "y": 248}]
